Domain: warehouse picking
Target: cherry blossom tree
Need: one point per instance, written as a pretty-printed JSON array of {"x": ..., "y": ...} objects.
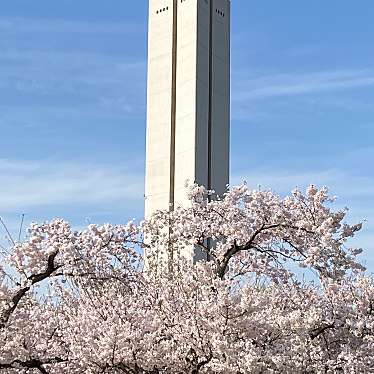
[{"x": 83, "y": 302}]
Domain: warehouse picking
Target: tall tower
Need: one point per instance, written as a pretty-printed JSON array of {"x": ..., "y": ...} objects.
[{"x": 188, "y": 99}]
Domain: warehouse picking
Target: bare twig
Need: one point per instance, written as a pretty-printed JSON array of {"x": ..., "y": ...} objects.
[
  {"x": 21, "y": 227},
  {"x": 7, "y": 231}
]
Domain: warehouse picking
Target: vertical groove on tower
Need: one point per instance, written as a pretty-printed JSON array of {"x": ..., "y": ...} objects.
[
  {"x": 173, "y": 123},
  {"x": 209, "y": 186},
  {"x": 210, "y": 110},
  {"x": 173, "y": 105}
]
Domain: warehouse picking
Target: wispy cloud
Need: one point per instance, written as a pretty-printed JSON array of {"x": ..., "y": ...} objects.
[
  {"x": 283, "y": 181},
  {"x": 89, "y": 85},
  {"x": 269, "y": 86},
  {"x": 41, "y": 25},
  {"x": 351, "y": 180},
  {"x": 70, "y": 65},
  {"x": 46, "y": 73},
  {"x": 24, "y": 185},
  {"x": 352, "y": 186}
]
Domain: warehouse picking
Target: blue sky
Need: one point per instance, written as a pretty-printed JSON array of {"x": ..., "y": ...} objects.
[{"x": 72, "y": 105}]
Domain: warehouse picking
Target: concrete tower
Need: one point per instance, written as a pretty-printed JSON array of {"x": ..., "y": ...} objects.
[{"x": 188, "y": 99}]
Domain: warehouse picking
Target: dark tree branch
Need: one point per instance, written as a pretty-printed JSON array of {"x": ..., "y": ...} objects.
[
  {"x": 35, "y": 278},
  {"x": 222, "y": 267},
  {"x": 315, "y": 333},
  {"x": 31, "y": 364}
]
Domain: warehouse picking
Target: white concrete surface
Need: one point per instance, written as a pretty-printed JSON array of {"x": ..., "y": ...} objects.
[{"x": 199, "y": 150}]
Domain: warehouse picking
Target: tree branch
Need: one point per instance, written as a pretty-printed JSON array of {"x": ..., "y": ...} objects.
[
  {"x": 320, "y": 330},
  {"x": 35, "y": 278},
  {"x": 31, "y": 364}
]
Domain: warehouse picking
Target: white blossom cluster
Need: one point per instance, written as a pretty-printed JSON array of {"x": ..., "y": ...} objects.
[{"x": 81, "y": 302}]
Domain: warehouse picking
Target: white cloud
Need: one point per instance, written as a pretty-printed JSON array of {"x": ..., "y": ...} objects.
[
  {"x": 344, "y": 183},
  {"x": 42, "y": 25},
  {"x": 42, "y": 64},
  {"x": 45, "y": 184},
  {"x": 102, "y": 85},
  {"x": 268, "y": 86},
  {"x": 47, "y": 72}
]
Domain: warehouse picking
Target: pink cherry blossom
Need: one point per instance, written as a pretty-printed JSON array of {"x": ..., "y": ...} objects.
[{"x": 84, "y": 302}]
